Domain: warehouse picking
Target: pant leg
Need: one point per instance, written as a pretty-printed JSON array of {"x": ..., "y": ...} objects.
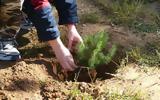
[
  {"x": 67, "y": 11},
  {"x": 43, "y": 20}
]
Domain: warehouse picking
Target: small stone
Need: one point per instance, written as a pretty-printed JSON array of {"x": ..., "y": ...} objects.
[
  {"x": 40, "y": 55},
  {"x": 84, "y": 25}
]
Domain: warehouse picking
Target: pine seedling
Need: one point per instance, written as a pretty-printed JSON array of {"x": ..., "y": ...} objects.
[{"x": 94, "y": 52}]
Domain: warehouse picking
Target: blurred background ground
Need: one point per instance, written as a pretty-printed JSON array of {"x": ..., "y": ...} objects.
[{"x": 32, "y": 78}]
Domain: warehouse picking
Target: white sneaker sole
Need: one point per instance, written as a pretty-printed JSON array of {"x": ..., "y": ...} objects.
[{"x": 4, "y": 57}]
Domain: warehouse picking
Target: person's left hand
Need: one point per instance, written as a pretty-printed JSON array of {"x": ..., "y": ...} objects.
[{"x": 73, "y": 36}]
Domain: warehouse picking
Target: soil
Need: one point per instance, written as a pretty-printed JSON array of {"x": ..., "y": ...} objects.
[{"x": 33, "y": 78}]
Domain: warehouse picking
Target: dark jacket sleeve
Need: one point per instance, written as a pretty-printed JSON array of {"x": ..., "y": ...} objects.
[{"x": 41, "y": 15}]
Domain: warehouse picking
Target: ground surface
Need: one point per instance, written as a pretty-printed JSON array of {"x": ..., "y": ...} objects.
[{"x": 32, "y": 78}]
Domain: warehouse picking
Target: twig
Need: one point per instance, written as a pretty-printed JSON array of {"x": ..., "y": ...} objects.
[
  {"x": 90, "y": 75},
  {"x": 114, "y": 75},
  {"x": 115, "y": 63},
  {"x": 152, "y": 85},
  {"x": 77, "y": 75}
]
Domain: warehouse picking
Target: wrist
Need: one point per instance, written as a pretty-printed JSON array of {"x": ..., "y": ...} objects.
[
  {"x": 56, "y": 44},
  {"x": 71, "y": 26}
]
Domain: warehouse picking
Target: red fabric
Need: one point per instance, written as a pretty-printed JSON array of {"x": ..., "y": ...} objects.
[{"x": 38, "y": 4}]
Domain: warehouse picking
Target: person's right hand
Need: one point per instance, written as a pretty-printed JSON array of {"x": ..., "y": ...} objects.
[
  {"x": 63, "y": 55},
  {"x": 73, "y": 37}
]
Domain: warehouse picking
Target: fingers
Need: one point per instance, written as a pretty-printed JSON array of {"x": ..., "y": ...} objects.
[
  {"x": 73, "y": 42},
  {"x": 66, "y": 66},
  {"x": 72, "y": 63},
  {"x": 69, "y": 65},
  {"x": 80, "y": 40},
  {"x": 63, "y": 54},
  {"x": 70, "y": 42}
]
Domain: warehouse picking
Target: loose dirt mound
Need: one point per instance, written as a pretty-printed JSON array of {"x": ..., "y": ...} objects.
[
  {"x": 32, "y": 81},
  {"x": 23, "y": 80}
]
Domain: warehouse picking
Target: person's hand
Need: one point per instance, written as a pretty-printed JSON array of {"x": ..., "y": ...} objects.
[
  {"x": 63, "y": 55},
  {"x": 73, "y": 36}
]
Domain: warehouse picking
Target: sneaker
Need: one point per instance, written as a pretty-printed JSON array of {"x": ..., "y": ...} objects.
[{"x": 8, "y": 52}]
